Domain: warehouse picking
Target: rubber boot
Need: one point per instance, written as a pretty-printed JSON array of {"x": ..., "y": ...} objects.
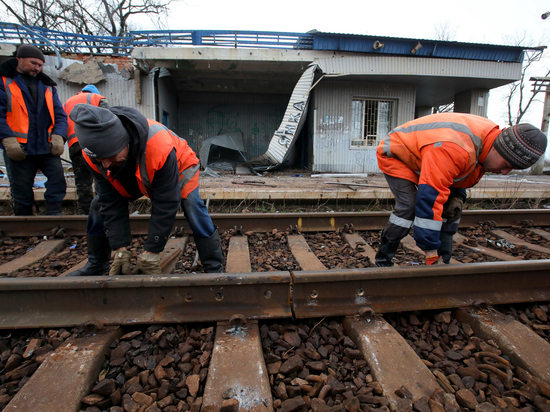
[
  {"x": 54, "y": 209},
  {"x": 23, "y": 211},
  {"x": 99, "y": 253},
  {"x": 386, "y": 252},
  {"x": 446, "y": 239},
  {"x": 210, "y": 253}
]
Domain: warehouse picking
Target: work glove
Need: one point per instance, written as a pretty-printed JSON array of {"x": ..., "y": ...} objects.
[
  {"x": 148, "y": 264},
  {"x": 13, "y": 149},
  {"x": 432, "y": 258},
  {"x": 452, "y": 209},
  {"x": 121, "y": 263},
  {"x": 57, "y": 145}
]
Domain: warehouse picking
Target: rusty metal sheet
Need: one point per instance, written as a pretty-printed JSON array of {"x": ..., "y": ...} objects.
[
  {"x": 142, "y": 299},
  {"x": 521, "y": 344},
  {"x": 66, "y": 375},
  {"x": 344, "y": 292},
  {"x": 237, "y": 369}
]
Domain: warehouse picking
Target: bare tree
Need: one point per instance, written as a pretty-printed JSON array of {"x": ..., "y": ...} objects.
[
  {"x": 91, "y": 17},
  {"x": 519, "y": 98}
]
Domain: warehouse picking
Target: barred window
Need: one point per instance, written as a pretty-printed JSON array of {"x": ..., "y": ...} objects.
[{"x": 371, "y": 120}]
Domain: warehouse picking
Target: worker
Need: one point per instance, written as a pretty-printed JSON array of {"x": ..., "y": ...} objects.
[
  {"x": 33, "y": 129},
  {"x": 82, "y": 175},
  {"x": 131, "y": 156},
  {"x": 430, "y": 161}
]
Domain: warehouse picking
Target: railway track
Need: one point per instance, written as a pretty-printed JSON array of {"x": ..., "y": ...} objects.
[{"x": 299, "y": 328}]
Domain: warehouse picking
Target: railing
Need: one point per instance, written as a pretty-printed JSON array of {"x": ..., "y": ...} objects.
[{"x": 83, "y": 43}]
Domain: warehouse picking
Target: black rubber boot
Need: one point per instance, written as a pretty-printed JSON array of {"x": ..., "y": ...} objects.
[
  {"x": 386, "y": 252},
  {"x": 23, "y": 211},
  {"x": 54, "y": 209},
  {"x": 210, "y": 253},
  {"x": 99, "y": 253}
]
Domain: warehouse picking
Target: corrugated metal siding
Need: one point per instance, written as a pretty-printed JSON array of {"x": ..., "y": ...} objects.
[
  {"x": 474, "y": 101},
  {"x": 117, "y": 90},
  {"x": 257, "y": 116},
  {"x": 332, "y": 150},
  {"x": 393, "y": 65}
]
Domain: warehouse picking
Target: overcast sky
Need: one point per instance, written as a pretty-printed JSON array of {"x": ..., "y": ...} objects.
[{"x": 476, "y": 21}]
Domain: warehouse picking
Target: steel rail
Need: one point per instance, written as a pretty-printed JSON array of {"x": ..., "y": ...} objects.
[
  {"x": 261, "y": 222},
  {"x": 126, "y": 300}
]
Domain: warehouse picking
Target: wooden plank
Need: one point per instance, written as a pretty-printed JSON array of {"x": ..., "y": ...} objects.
[
  {"x": 35, "y": 255},
  {"x": 484, "y": 250},
  {"x": 238, "y": 256},
  {"x": 237, "y": 365},
  {"x": 541, "y": 233},
  {"x": 519, "y": 242},
  {"x": 522, "y": 345},
  {"x": 392, "y": 361},
  {"x": 303, "y": 254},
  {"x": 237, "y": 368},
  {"x": 359, "y": 244},
  {"x": 66, "y": 376}
]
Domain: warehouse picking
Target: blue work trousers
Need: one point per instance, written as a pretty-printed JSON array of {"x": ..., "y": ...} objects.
[{"x": 22, "y": 174}]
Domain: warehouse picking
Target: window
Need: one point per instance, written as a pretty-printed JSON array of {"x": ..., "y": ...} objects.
[{"x": 371, "y": 120}]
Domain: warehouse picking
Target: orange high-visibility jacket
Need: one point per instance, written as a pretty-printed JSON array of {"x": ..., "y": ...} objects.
[
  {"x": 437, "y": 152},
  {"x": 17, "y": 116},
  {"x": 160, "y": 142},
  {"x": 82, "y": 97}
]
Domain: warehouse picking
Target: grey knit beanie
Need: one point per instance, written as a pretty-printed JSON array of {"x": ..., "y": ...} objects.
[
  {"x": 28, "y": 50},
  {"x": 100, "y": 132},
  {"x": 521, "y": 145}
]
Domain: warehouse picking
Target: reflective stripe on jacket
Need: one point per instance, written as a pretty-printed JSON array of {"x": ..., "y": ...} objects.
[
  {"x": 89, "y": 98},
  {"x": 17, "y": 116},
  {"x": 160, "y": 143},
  {"x": 437, "y": 152}
]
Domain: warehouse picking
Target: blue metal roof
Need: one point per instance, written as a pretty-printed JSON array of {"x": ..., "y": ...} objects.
[
  {"x": 81, "y": 43},
  {"x": 416, "y": 47}
]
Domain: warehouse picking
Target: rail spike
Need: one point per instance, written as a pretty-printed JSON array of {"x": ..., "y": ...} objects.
[{"x": 366, "y": 312}]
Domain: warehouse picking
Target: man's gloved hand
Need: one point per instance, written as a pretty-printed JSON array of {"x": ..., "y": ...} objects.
[
  {"x": 148, "y": 264},
  {"x": 13, "y": 149},
  {"x": 452, "y": 210},
  {"x": 121, "y": 263},
  {"x": 432, "y": 258},
  {"x": 57, "y": 145}
]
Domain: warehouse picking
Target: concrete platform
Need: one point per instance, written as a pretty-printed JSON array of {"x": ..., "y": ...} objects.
[{"x": 289, "y": 187}]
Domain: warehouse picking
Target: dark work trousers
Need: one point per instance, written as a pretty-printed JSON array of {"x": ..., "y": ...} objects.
[
  {"x": 83, "y": 179},
  {"x": 194, "y": 210},
  {"x": 22, "y": 174},
  {"x": 402, "y": 218}
]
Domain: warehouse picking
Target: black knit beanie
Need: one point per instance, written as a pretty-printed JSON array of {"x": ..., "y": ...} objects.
[{"x": 28, "y": 50}]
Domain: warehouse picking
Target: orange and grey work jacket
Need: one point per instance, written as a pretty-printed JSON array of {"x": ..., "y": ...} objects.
[
  {"x": 160, "y": 142},
  {"x": 438, "y": 152},
  {"x": 17, "y": 116},
  {"x": 82, "y": 97}
]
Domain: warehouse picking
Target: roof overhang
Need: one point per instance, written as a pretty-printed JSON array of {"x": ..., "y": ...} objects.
[{"x": 437, "y": 80}]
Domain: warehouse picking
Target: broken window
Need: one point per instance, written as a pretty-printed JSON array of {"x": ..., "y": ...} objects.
[{"x": 372, "y": 119}]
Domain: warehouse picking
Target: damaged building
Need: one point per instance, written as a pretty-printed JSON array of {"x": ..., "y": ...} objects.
[{"x": 316, "y": 101}]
